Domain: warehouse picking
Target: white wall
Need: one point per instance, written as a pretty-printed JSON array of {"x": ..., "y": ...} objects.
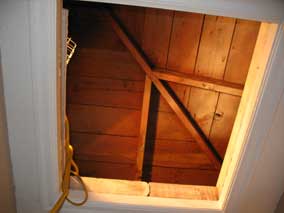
[{"x": 16, "y": 64}]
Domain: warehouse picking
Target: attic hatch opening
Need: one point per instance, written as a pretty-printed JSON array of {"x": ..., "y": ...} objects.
[{"x": 201, "y": 60}]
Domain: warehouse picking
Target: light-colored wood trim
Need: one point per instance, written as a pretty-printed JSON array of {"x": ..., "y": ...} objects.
[
  {"x": 143, "y": 127},
  {"x": 112, "y": 186},
  {"x": 195, "y": 131},
  {"x": 247, "y": 109},
  {"x": 200, "y": 82},
  {"x": 183, "y": 191}
]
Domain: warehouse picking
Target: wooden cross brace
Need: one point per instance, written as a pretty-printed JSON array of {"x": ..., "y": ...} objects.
[{"x": 184, "y": 117}]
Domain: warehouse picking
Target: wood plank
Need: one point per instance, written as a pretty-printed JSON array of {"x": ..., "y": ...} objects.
[
  {"x": 96, "y": 63},
  {"x": 166, "y": 125},
  {"x": 106, "y": 170},
  {"x": 241, "y": 51},
  {"x": 157, "y": 30},
  {"x": 143, "y": 128},
  {"x": 184, "y": 41},
  {"x": 200, "y": 82},
  {"x": 223, "y": 122},
  {"x": 179, "y": 91},
  {"x": 118, "y": 149},
  {"x": 214, "y": 46},
  {"x": 108, "y": 98},
  {"x": 183, "y": 191},
  {"x": 92, "y": 83},
  {"x": 199, "y": 137},
  {"x": 158, "y": 174},
  {"x": 104, "y": 148},
  {"x": 202, "y": 107},
  {"x": 111, "y": 186},
  {"x": 132, "y": 19},
  {"x": 104, "y": 120},
  {"x": 183, "y": 176}
]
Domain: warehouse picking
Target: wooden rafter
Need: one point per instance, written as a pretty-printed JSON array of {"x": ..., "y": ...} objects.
[
  {"x": 184, "y": 117},
  {"x": 200, "y": 82},
  {"x": 143, "y": 127}
]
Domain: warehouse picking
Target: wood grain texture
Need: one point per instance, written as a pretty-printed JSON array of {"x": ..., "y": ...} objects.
[
  {"x": 223, "y": 122},
  {"x": 241, "y": 51},
  {"x": 214, "y": 46},
  {"x": 104, "y": 120},
  {"x": 143, "y": 127},
  {"x": 106, "y": 84},
  {"x": 184, "y": 41},
  {"x": 183, "y": 176},
  {"x": 98, "y": 169},
  {"x": 183, "y": 191},
  {"x": 96, "y": 63},
  {"x": 110, "y": 186},
  {"x": 200, "y": 82},
  {"x": 202, "y": 107},
  {"x": 157, "y": 29},
  {"x": 188, "y": 123},
  {"x": 133, "y": 19}
]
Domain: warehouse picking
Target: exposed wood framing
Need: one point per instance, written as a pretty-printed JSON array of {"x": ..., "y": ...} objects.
[
  {"x": 143, "y": 127},
  {"x": 200, "y": 82},
  {"x": 186, "y": 119}
]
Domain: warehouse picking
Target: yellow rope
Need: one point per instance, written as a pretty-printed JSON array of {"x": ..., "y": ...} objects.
[{"x": 67, "y": 172}]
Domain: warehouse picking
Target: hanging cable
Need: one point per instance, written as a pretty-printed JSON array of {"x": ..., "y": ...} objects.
[{"x": 70, "y": 168}]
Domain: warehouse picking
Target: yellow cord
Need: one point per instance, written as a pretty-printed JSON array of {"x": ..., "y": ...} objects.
[{"x": 66, "y": 176}]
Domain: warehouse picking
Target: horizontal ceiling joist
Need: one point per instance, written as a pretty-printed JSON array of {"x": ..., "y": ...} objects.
[{"x": 200, "y": 82}]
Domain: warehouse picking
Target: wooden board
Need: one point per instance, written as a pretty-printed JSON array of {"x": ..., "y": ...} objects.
[
  {"x": 143, "y": 127},
  {"x": 241, "y": 51},
  {"x": 179, "y": 91},
  {"x": 183, "y": 191},
  {"x": 184, "y": 41},
  {"x": 223, "y": 122},
  {"x": 104, "y": 120},
  {"x": 132, "y": 19},
  {"x": 214, "y": 46},
  {"x": 118, "y": 149},
  {"x": 123, "y": 99},
  {"x": 157, "y": 29},
  {"x": 106, "y": 170},
  {"x": 110, "y": 186},
  {"x": 104, "y": 148},
  {"x": 183, "y": 176},
  {"x": 202, "y": 105},
  {"x": 96, "y": 63}
]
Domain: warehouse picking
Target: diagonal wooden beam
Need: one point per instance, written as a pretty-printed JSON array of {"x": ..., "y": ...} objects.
[
  {"x": 200, "y": 82},
  {"x": 143, "y": 127},
  {"x": 186, "y": 119}
]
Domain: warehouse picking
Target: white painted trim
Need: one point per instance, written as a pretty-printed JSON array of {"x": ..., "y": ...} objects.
[
  {"x": 261, "y": 10},
  {"x": 44, "y": 76}
]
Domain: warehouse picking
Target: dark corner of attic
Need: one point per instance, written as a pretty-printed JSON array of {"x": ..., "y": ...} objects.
[{"x": 152, "y": 94}]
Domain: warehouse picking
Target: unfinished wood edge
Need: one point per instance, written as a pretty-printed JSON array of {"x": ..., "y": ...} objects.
[
  {"x": 200, "y": 82},
  {"x": 193, "y": 192},
  {"x": 143, "y": 128},
  {"x": 112, "y": 186},
  {"x": 246, "y": 111}
]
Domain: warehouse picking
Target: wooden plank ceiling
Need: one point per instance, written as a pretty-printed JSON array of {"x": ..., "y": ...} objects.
[{"x": 106, "y": 86}]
